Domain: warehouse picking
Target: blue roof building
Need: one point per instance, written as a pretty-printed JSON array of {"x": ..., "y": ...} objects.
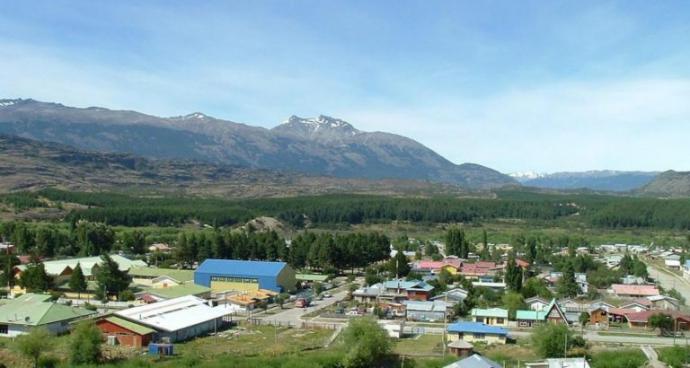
[
  {"x": 238, "y": 275},
  {"x": 476, "y": 332}
]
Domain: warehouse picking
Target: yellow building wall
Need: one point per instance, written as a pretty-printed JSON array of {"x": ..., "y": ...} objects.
[
  {"x": 451, "y": 270},
  {"x": 492, "y": 321},
  {"x": 238, "y": 286},
  {"x": 489, "y": 339}
]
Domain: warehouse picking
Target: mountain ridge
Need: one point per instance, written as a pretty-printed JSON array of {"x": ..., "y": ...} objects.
[
  {"x": 318, "y": 146},
  {"x": 599, "y": 180},
  {"x": 27, "y": 164}
]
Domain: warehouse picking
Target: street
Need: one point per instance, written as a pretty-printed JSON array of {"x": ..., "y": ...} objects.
[
  {"x": 293, "y": 316},
  {"x": 669, "y": 281}
]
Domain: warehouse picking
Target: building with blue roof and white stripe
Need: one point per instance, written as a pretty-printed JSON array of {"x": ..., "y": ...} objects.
[
  {"x": 238, "y": 275},
  {"x": 476, "y": 332}
]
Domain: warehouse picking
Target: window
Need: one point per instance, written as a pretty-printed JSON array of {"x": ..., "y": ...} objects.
[
  {"x": 4, "y": 330},
  {"x": 499, "y": 321},
  {"x": 478, "y": 335},
  {"x": 479, "y": 319}
]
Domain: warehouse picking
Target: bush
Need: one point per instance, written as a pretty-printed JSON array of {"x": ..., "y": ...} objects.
[
  {"x": 126, "y": 295},
  {"x": 85, "y": 343},
  {"x": 619, "y": 359},
  {"x": 367, "y": 342},
  {"x": 675, "y": 357},
  {"x": 549, "y": 341}
]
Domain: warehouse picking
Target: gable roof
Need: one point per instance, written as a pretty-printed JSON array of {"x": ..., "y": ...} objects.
[
  {"x": 37, "y": 309},
  {"x": 491, "y": 312},
  {"x": 643, "y": 290},
  {"x": 174, "y": 314},
  {"x": 474, "y": 361},
  {"x": 134, "y": 327},
  {"x": 187, "y": 288},
  {"x": 241, "y": 268},
  {"x": 153, "y": 272},
  {"x": 57, "y": 267},
  {"x": 416, "y": 285},
  {"x": 476, "y": 327}
]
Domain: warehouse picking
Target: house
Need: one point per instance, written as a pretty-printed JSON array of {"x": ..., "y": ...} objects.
[
  {"x": 581, "y": 280},
  {"x": 476, "y": 332},
  {"x": 412, "y": 289},
  {"x": 497, "y": 286},
  {"x": 62, "y": 269},
  {"x": 372, "y": 294},
  {"x": 124, "y": 332},
  {"x": 491, "y": 316},
  {"x": 427, "y": 311},
  {"x": 663, "y": 302},
  {"x": 179, "y": 318},
  {"x": 633, "y": 280},
  {"x": 638, "y": 305},
  {"x": 230, "y": 274},
  {"x": 394, "y": 329},
  {"x": 21, "y": 315},
  {"x": 147, "y": 276},
  {"x": 460, "y": 348},
  {"x": 552, "y": 313},
  {"x": 164, "y": 281},
  {"x": 536, "y": 303},
  {"x": 477, "y": 269},
  {"x": 641, "y": 319},
  {"x": 673, "y": 264},
  {"x": 248, "y": 300},
  {"x": 156, "y": 294},
  {"x": 452, "y": 296},
  {"x": 560, "y": 363},
  {"x": 160, "y": 247},
  {"x": 474, "y": 361},
  {"x": 7, "y": 248},
  {"x": 634, "y": 291}
]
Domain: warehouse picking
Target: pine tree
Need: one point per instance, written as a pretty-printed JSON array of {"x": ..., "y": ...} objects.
[
  {"x": 35, "y": 278},
  {"x": 398, "y": 265},
  {"x": 109, "y": 277},
  {"x": 567, "y": 286},
  {"x": 513, "y": 275},
  {"x": 77, "y": 282}
]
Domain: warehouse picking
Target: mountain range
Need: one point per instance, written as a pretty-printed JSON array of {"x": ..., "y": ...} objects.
[
  {"x": 321, "y": 146},
  {"x": 601, "y": 180},
  {"x": 28, "y": 165}
]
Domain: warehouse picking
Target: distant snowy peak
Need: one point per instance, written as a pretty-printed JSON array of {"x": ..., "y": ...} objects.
[
  {"x": 7, "y": 102},
  {"x": 527, "y": 175},
  {"x": 323, "y": 127},
  {"x": 193, "y": 116}
]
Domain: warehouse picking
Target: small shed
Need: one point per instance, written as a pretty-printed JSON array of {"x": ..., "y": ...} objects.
[
  {"x": 124, "y": 332},
  {"x": 460, "y": 348}
]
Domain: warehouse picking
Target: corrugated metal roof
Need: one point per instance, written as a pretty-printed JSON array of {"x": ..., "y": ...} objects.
[
  {"x": 493, "y": 312},
  {"x": 37, "y": 309},
  {"x": 241, "y": 268},
  {"x": 174, "y": 314},
  {"x": 476, "y": 327},
  {"x": 474, "y": 361},
  {"x": 134, "y": 327}
]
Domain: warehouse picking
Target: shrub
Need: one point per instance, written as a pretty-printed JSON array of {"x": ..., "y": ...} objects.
[{"x": 619, "y": 359}]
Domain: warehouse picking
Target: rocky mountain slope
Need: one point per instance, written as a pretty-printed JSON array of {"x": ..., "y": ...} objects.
[
  {"x": 605, "y": 180},
  {"x": 668, "y": 184},
  {"x": 27, "y": 165},
  {"x": 317, "y": 146}
]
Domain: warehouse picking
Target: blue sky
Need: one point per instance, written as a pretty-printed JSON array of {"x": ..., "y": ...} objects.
[{"x": 517, "y": 86}]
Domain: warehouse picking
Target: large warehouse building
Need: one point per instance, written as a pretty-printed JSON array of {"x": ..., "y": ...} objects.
[{"x": 230, "y": 274}]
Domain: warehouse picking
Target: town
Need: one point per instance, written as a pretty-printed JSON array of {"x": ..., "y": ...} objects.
[{"x": 468, "y": 302}]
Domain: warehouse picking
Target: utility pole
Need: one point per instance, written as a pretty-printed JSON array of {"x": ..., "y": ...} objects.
[{"x": 565, "y": 348}]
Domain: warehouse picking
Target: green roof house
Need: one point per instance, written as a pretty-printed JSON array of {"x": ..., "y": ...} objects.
[
  {"x": 491, "y": 316},
  {"x": 551, "y": 313},
  {"x": 20, "y": 315}
]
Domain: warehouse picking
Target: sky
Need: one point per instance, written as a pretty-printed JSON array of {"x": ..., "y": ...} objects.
[{"x": 540, "y": 86}]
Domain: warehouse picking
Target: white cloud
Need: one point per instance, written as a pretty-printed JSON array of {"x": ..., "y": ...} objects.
[{"x": 631, "y": 124}]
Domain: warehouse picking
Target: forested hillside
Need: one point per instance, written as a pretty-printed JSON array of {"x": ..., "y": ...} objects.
[{"x": 587, "y": 210}]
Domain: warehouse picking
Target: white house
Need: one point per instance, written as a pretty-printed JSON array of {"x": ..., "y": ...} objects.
[{"x": 23, "y": 314}]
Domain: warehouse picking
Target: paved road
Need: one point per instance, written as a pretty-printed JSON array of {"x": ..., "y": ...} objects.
[
  {"x": 294, "y": 316},
  {"x": 669, "y": 281}
]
